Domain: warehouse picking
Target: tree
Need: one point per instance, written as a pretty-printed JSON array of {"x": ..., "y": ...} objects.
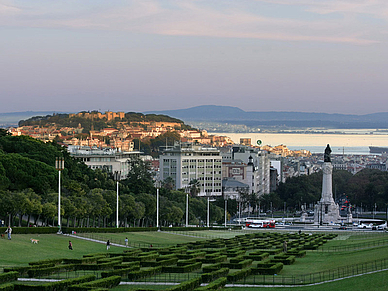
[
  {"x": 195, "y": 187},
  {"x": 139, "y": 179}
]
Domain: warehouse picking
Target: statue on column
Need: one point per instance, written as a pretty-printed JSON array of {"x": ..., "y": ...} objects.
[{"x": 326, "y": 156}]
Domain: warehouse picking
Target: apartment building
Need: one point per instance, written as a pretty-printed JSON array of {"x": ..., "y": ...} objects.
[
  {"x": 185, "y": 162},
  {"x": 107, "y": 159}
]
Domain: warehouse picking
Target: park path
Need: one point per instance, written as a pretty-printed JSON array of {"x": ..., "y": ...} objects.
[{"x": 95, "y": 240}]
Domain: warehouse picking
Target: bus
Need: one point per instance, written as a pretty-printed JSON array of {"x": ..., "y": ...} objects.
[{"x": 256, "y": 223}]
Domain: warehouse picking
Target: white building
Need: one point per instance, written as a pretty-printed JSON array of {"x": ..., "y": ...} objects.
[
  {"x": 185, "y": 162},
  {"x": 108, "y": 159}
]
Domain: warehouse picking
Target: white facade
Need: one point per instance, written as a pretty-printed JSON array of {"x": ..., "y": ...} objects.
[
  {"x": 258, "y": 176},
  {"x": 186, "y": 162},
  {"x": 107, "y": 159}
]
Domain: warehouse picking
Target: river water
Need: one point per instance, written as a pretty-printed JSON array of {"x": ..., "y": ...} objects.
[{"x": 356, "y": 144}]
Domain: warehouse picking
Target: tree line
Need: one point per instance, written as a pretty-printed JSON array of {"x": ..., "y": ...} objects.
[{"x": 29, "y": 189}]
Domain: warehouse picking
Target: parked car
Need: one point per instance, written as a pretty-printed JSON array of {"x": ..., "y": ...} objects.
[{"x": 365, "y": 226}]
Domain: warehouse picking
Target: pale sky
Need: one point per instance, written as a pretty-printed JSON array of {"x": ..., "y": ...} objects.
[{"x": 259, "y": 55}]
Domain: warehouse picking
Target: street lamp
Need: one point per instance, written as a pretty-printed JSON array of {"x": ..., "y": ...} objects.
[
  {"x": 59, "y": 165},
  {"x": 208, "y": 211},
  {"x": 187, "y": 209},
  {"x": 226, "y": 206},
  {"x": 157, "y": 204},
  {"x": 117, "y": 176}
]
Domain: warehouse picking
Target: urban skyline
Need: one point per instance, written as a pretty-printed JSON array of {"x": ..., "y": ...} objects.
[{"x": 307, "y": 56}]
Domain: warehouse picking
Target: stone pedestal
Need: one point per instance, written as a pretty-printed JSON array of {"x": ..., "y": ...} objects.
[{"x": 326, "y": 210}]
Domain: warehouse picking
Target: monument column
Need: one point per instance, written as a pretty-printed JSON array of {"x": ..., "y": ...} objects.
[{"x": 326, "y": 210}]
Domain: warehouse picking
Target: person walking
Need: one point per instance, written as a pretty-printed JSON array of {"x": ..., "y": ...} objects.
[
  {"x": 9, "y": 232},
  {"x": 70, "y": 245},
  {"x": 126, "y": 242},
  {"x": 108, "y": 245}
]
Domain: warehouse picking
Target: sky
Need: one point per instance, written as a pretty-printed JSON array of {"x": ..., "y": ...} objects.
[{"x": 134, "y": 56}]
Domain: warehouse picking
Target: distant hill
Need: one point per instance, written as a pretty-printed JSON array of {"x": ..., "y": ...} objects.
[
  {"x": 12, "y": 119},
  {"x": 228, "y": 114}
]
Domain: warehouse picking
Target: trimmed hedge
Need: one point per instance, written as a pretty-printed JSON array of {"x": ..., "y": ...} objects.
[
  {"x": 267, "y": 268},
  {"x": 109, "y": 282},
  {"x": 285, "y": 259},
  {"x": 8, "y": 277},
  {"x": 169, "y": 262},
  {"x": 37, "y": 272},
  {"x": 211, "y": 268},
  {"x": 182, "y": 269},
  {"x": 257, "y": 257},
  {"x": 120, "y": 272},
  {"x": 21, "y": 270},
  {"x": 209, "y": 277},
  {"x": 215, "y": 285},
  {"x": 213, "y": 260},
  {"x": 134, "y": 275},
  {"x": 31, "y": 230},
  {"x": 55, "y": 286},
  {"x": 48, "y": 261},
  {"x": 239, "y": 265},
  {"x": 187, "y": 285},
  {"x": 234, "y": 277},
  {"x": 7, "y": 287}
]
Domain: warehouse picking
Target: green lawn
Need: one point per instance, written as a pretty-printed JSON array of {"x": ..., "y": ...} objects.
[{"x": 20, "y": 251}]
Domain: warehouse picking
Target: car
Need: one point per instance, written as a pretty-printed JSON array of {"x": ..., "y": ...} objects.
[{"x": 342, "y": 226}]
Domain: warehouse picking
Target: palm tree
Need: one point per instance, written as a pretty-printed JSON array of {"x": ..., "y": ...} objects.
[{"x": 195, "y": 187}]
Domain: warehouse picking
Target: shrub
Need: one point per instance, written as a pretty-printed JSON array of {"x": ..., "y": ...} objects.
[
  {"x": 8, "y": 277},
  {"x": 267, "y": 268},
  {"x": 209, "y": 277},
  {"x": 215, "y": 285},
  {"x": 187, "y": 285},
  {"x": 7, "y": 287},
  {"x": 240, "y": 265},
  {"x": 234, "y": 277},
  {"x": 120, "y": 272},
  {"x": 109, "y": 282},
  {"x": 37, "y": 272},
  {"x": 134, "y": 275},
  {"x": 182, "y": 269},
  {"x": 55, "y": 286}
]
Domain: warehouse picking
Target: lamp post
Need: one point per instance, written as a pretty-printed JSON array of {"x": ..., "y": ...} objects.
[
  {"x": 117, "y": 176},
  {"x": 157, "y": 204},
  {"x": 187, "y": 209},
  {"x": 208, "y": 211},
  {"x": 226, "y": 206},
  {"x": 59, "y": 165}
]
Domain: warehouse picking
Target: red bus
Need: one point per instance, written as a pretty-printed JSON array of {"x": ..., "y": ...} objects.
[{"x": 255, "y": 223}]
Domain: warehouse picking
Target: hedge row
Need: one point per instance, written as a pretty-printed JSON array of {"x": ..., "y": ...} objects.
[
  {"x": 257, "y": 257},
  {"x": 182, "y": 269},
  {"x": 211, "y": 268},
  {"x": 55, "y": 286},
  {"x": 126, "y": 265},
  {"x": 187, "y": 285},
  {"x": 48, "y": 261},
  {"x": 267, "y": 268},
  {"x": 239, "y": 265},
  {"x": 7, "y": 287},
  {"x": 215, "y": 285},
  {"x": 37, "y": 272},
  {"x": 144, "y": 273},
  {"x": 209, "y": 277},
  {"x": 213, "y": 260},
  {"x": 109, "y": 282},
  {"x": 8, "y": 277},
  {"x": 234, "y": 277},
  {"x": 285, "y": 259},
  {"x": 31, "y": 230},
  {"x": 120, "y": 272},
  {"x": 169, "y": 262}
]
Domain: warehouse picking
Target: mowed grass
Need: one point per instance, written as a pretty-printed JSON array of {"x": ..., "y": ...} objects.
[
  {"x": 160, "y": 239},
  {"x": 20, "y": 250}
]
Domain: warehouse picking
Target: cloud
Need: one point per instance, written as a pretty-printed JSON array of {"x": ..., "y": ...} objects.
[
  {"x": 196, "y": 18},
  {"x": 8, "y": 9}
]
